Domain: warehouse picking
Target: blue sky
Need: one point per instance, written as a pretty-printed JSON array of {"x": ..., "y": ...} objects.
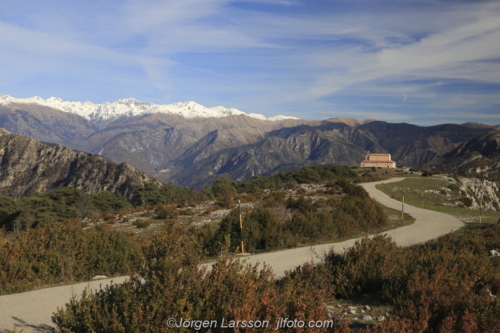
[{"x": 423, "y": 62}]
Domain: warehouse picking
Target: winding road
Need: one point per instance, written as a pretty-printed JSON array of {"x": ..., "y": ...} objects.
[{"x": 32, "y": 311}]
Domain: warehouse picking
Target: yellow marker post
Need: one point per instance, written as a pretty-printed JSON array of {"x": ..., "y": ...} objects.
[
  {"x": 403, "y": 209},
  {"x": 241, "y": 230},
  {"x": 480, "y": 211}
]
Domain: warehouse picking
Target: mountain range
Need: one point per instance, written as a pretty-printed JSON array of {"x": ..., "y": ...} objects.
[
  {"x": 192, "y": 145},
  {"x": 105, "y": 113}
]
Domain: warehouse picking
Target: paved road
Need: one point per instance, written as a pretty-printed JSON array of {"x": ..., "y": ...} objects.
[{"x": 32, "y": 310}]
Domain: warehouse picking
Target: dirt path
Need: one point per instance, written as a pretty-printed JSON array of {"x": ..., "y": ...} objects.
[{"x": 32, "y": 310}]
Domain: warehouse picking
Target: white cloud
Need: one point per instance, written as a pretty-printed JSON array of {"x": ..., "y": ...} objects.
[{"x": 448, "y": 53}]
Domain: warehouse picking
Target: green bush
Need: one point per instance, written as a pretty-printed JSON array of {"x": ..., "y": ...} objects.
[
  {"x": 152, "y": 194},
  {"x": 364, "y": 268},
  {"x": 142, "y": 223},
  {"x": 57, "y": 205},
  {"x": 64, "y": 252},
  {"x": 466, "y": 201},
  {"x": 166, "y": 212}
]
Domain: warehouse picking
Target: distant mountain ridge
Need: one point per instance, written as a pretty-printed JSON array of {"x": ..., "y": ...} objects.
[
  {"x": 286, "y": 149},
  {"x": 474, "y": 124},
  {"x": 128, "y": 107}
]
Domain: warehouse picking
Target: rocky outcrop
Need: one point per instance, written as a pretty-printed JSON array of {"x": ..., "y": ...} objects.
[
  {"x": 477, "y": 156},
  {"x": 481, "y": 193},
  {"x": 28, "y": 167}
]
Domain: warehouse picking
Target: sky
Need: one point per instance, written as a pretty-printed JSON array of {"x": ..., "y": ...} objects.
[{"x": 423, "y": 62}]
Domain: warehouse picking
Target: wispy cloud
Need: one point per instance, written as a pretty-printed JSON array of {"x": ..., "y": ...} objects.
[{"x": 363, "y": 58}]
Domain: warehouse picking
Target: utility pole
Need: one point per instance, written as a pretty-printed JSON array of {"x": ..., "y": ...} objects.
[{"x": 241, "y": 230}]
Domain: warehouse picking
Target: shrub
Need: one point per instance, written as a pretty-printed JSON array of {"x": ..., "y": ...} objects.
[
  {"x": 365, "y": 267},
  {"x": 466, "y": 201},
  {"x": 188, "y": 212},
  {"x": 108, "y": 202},
  {"x": 142, "y": 223},
  {"x": 166, "y": 212},
  {"x": 64, "y": 252},
  {"x": 225, "y": 200}
]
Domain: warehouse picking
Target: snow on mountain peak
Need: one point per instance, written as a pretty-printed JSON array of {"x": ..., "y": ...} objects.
[{"x": 106, "y": 112}]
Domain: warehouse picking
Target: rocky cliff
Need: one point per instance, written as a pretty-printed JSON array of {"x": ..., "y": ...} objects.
[
  {"x": 477, "y": 156},
  {"x": 481, "y": 193},
  {"x": 28, "y": 167}
]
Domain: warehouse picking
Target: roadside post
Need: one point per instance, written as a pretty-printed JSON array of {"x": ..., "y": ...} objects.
[
  {"x": 241, "y": 230},
  {"x": 403, "y": 209},
  {"x": 480, "y": 211}
]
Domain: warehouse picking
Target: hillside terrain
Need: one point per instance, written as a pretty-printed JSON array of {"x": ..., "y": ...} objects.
[
  {"x": 28, "y": 167},
  {"x": 329, "y": 143},
  {"x": 478, "y": 156}
]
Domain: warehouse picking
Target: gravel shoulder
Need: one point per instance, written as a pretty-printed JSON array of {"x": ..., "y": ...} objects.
[{"x": 32, "y": 311}]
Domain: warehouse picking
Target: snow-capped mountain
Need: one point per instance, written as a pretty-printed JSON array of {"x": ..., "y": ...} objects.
[{"x": 128, "y": 107}]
